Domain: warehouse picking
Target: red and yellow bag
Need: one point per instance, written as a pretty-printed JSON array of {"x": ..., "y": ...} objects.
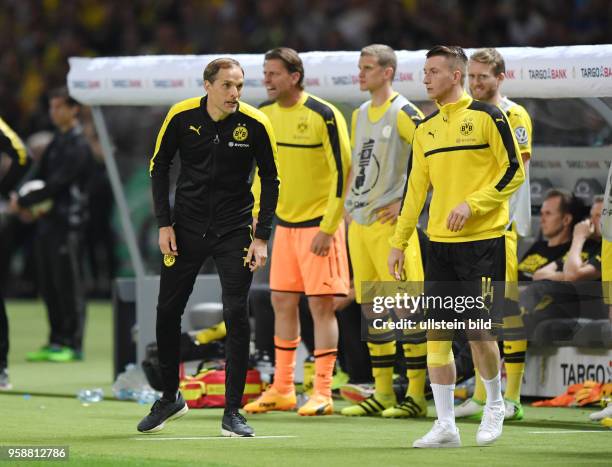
[{"x": 207, "y": 388}]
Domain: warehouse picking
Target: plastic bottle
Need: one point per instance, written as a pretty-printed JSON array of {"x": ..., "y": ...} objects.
[
  {"x": 146, "y": 396},
  {"x": 265, "y": 366},
  {"x": 88, "y": 396}
]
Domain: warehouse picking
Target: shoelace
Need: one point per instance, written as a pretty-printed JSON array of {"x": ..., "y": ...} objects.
[
  {"x": 490, "y": 420},
  {"x": 436, "y": 429},
  {"x": 156, "y": 406},
  {"x": 238, "y": 416}
]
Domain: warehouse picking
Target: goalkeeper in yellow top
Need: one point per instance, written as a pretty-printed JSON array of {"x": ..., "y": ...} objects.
[
  {"x": 381, "y": 136},
  {"x": 486, "y": 73},
  {"x": 309, "y": 250}
]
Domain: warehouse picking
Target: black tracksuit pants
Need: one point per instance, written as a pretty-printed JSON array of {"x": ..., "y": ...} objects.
[
  {"x": 58, "y": 253},
  {"x": 176, "y": 284}
]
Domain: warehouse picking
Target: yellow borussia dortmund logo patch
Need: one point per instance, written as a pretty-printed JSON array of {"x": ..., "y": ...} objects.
[
  {"x": 240, "y": 133},
  {"x": 169, "y": 260},
  {"x": 466, "y": 127}
]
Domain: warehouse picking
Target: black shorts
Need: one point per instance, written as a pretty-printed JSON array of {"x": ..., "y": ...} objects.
[{"x": 466, "y": 280}]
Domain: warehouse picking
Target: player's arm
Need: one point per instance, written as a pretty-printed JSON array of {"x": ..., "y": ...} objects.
[
  {"x": 523, "y": 130},
  {"x": 13, "y": 147},
  {"x": 549, "y": 272},
  {"x": 416, "y": 193},
  {"x": 267, "y": 178},
  {"x": 70, "y": 169},
  {"x": 511, "y": 172},
  {"x": 166, "y": 146},
  {"x": 349, "y": 176},
  {"x": 574, "y": 269},
  {"x": 336, "y": 144}
]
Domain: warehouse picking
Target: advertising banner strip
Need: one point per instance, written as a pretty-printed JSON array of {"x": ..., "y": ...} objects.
[{"x": 550, "y": 72}]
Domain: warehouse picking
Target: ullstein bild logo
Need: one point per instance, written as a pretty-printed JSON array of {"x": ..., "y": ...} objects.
[
  {"x": 596, "y": 72},
  {"x": 548, "y": 73}
]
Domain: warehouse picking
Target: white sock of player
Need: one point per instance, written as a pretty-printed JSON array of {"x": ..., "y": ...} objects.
[
  {"x": 444, "y": 398},
  {"x": 493, "y": 388}
]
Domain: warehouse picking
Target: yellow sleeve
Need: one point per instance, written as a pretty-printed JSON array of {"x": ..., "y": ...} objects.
[
  {"x": 511, "y": 172},
  {"x": 337, "y": 147},
  {"x": 522, "y": 127},
  {"x": 256, "y": 192},
  {"x": 407, "y": 120},
  {"x": 354, "y": 126},
  {"x": 418, "y": 184}
]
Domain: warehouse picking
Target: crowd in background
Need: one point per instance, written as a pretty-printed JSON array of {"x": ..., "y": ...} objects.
[{"x": 38, "y": 36}]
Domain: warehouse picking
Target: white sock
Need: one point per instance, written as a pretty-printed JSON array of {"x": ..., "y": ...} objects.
[
  {"x": 493, "y": 388},
  {"x": 444, "y": 398}
]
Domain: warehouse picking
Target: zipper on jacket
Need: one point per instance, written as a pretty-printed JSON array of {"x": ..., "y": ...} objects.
[{"x": 216, "y": 141}]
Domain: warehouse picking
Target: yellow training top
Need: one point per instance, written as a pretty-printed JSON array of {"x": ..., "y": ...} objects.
[
  {"x": 467, "y": 151},
  {"x": 314, "y": 157}
]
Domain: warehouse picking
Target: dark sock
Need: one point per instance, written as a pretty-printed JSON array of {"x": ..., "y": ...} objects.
[{"x": 171, "y": 397}]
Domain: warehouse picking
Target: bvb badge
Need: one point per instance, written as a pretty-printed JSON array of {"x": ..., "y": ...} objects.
[
  {"x": 169, "y": 260},
  {"x": 240, "y": 132},
  {"x": 466, "y": 127}
]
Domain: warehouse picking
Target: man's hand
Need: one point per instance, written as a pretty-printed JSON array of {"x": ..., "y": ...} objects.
[
  {"x": 24, "y": 214},
  {"x": 395, "y": 262},
  {"x": 13, "y": 206},
  {"x": 550, "y": 272},
  {"x": 321, "y": 243},
  {"x": 167, "y": 241},
  {"x": 458, "y": 216},
  {"x": 584, "y": 229},
  {"x": 257, "y": 256},
  {"x": 347, "y": 218},
  {"x": 389, "y": 213}
]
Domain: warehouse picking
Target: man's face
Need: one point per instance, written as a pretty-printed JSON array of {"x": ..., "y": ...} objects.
[
  {"x": 439, "y": 78},
  {"x": 596, "y": 210},
  {"x": 60, "y": 112},
  {"x": 278, "y": 81},
  {"x": 224, "y": 92},
  {"x": 552, "y": 220},
  {"x": 482, "y": 81},
  {"x": 372, "y": 76}
]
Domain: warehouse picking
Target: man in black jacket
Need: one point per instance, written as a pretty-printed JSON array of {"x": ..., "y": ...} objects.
[
  {"x": 65, "y": 167},
  {"x": 14, "y": 163},
  {"x": 220, "y": 141}
]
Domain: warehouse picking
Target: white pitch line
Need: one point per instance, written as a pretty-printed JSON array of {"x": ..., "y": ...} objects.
[
  {"x": 156, "y": 438},
  {"x": 568, "y": 431}
]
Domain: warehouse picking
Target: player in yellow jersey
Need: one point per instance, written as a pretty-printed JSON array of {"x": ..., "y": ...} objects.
[
  {"x": 606, "y": 246},
  {"x": 381, "y": 136},
  {"x": 486, "y": 74},
  {"x": 605, "y": 415},
  {"x": 309, "y": 252},
  {"x": 14, "y": 163},
  {"x": 467, "y": 152}
]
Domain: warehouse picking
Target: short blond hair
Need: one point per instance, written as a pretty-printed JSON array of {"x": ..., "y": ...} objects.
[
  {"x": 491, "y": 57},
  {"x": 454, "y": 54},
  {"x": 384, "y": 54}
]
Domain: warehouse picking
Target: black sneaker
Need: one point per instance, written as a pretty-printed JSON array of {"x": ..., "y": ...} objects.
[
  {"x": 162, "y": 411},
  {"x": 235, "y": 425}
]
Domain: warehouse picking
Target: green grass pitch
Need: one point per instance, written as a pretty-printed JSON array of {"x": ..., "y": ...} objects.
[{"x": 43, "y": 410}]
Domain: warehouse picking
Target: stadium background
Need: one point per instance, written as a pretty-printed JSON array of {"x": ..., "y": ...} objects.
[{"x": 38, "y": 36}]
